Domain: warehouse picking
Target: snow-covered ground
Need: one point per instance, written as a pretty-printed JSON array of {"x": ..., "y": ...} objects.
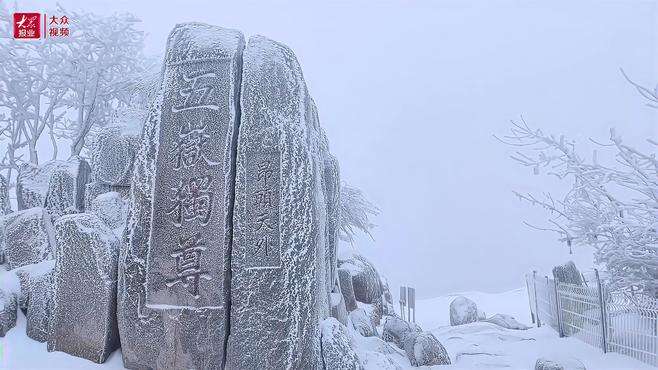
[
  {"x": 487, "y": 346},
  {"x": 473, "y": 346}
]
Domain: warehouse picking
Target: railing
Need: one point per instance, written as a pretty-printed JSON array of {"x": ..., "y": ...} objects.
[{"x": 614, "y": 322}]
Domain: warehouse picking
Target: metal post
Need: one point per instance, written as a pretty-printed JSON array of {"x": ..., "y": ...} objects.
[
  {"x": 604, "y": 323},
  {"x": 558, "y": 309},
  {"x": 532, "y": 311},
  {"x": 403, "y": 300},
  {"x": 534, "y": 284}
]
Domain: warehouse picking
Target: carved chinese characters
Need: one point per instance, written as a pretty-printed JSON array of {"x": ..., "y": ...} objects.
[
  {"x": 189, "y": 235},
  {"x": 263, "y": 207}
]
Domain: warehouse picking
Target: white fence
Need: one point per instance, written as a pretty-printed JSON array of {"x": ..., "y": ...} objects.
[{"x": 611, "y": 321}]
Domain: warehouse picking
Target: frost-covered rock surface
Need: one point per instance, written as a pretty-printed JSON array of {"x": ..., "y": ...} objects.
[
  {"x": 28, "y": 237},
  {"x": 110, "y": 208},
  {"x": 337, "y": 351},
  {"x": 397, "y": 331},
  {"x": 84, "y": 298},
  {"x": 33, "y": 184},
  {"x": 278, "y": 290},
  {"x": 506, "y": 321},
  {"x": 365, "y": 278},
  {"x": 186, "y": 145},
  {"x": 423, "y": 349},
  {"x": 362, "y": 322},
  {"x": 338, "y": 310},
  {"x": 568, "y": 273},
  {"x": 40, "y": 305},
  {"x": 8, "y": 311},
  {"x": 5, "y": 206},
  {"x": 559, "y": 364},
  {"x": 113, "y": 155},
  {"x": 463, "y": 311},
  {"x": 331, "y": 189},
  {"x": 347, "y": 289},
  {"x": 94, "y": 189}
]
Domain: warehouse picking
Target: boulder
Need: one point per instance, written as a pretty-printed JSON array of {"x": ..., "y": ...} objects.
[
  {"x": 84, "y": 279},
  {"x": 387, "y": 298},
  {"x": 5, "y": 206},
  {"x": 347, "y": 289},
  {"x": 423, "y": 349},
  {"x": 362, "y": 323},
  {"x": 337, "y": 351},
  {"x": 338, "y": 310},
  {"x": 56, "y": 185},
  {"x": 94, "y": 189},
  {"x": 39, "y": 306},
  {"x": 8, "y": 311},
  {"x": 397, "y": 331},
  {"x": 278, "y": 287},
  {"x": 172, "y": 306},
  {"x": 110, "y": 208},
  {"x": 28, "y": 237},
  {"x": 506, "y": 321},
  {"x": 463, "y": 311},
  {"x": 113, "y": 155},
  {"x": 365, "y": 279},
  {"x": 559, "y": 364},
  {"x": 568, "y": 273}
]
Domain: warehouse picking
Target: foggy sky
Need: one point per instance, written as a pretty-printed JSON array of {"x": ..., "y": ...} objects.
[{"x": 410, "y": 94}]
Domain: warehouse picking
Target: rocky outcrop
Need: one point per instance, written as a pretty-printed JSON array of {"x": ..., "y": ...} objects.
[
  {"x": 337, "y": 351},
  {"x": 8, "y": 311},
  {"x": 113, "y": 155},
  {"x": 28, "y": 237},
  {"x": 365, "y": 279}
]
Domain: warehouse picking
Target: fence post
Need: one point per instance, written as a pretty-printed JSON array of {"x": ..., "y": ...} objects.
[
  {"x": 534, "y": 285},
  {"x": 604, "y": 322},
  {"x": 558, "y": 309},
  {"x": 527, "y": 286}
]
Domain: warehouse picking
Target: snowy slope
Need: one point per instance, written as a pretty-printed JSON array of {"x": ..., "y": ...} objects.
[{"x": 487, "y": 346}]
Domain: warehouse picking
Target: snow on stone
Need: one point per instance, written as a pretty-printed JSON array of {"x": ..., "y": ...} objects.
[
  {"x": 33, "y": 182},
  {"x": 337, "y": 351},
  {"x": 113, "y": 156},
  {"x": 506, "y": 321},
  {"x": 84, "y": 299},
  {"x": 28, "y": 237},
  {"x": 8, "y": 311},
  {"x": 463, "y": 311},
  {"x": 110, "y": 208}
]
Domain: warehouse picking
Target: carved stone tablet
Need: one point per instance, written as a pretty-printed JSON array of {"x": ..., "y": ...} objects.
[
  {"x": 278, "y": 294},
  {"x": 190, "y": 230}
]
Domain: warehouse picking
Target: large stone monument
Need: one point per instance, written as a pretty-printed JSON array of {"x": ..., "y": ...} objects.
[
  {"x": 174, "y": 266},
  {"x": 278, "y": 287}
]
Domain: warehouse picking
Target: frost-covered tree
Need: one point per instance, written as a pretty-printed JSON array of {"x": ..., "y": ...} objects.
[
  {"x": 106, "y": 61},
  {"x": 356, "y": 212},
  {"x": 611, "y": 206}
]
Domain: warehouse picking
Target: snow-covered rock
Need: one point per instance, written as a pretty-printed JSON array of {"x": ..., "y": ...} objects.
[
  {"x": 39, "y": 305},
  {"x": 362, "y": 322},
  {"x": 559, "y": 364},
  {"x": 482, "y": 316},
  {"x": 35, "y": 184},
  {"x": 278, "y": 289},
  {"x": 331, "y": 190},
  {"x": 338, "y": 310},
  {"x": 397, "y": 331},
  {"x": 110, "y": 208},
  {"x": 84, "y": 298},
  {"x": 94, "y": 189},
  {"x": 346, "y": 288},
  {"x": 463, "y": 311},
  {"x": 8, "y": 311},
  {"x": 506, "y": 321},
  {"x": 423, "y": 349},
  {"x": 568, "y": 273},
  {"x": 337, "y": 351},
  {"x": 5, "y": 206},
  {"x": 113, "y": 156},
  {"x": 387, "y": 298},
  {"x": 365, "y": 278},
  {"x": 189, "y": 144},
  {"x": 61, "y": 197},
  {"x": 28, "y": 237}
]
